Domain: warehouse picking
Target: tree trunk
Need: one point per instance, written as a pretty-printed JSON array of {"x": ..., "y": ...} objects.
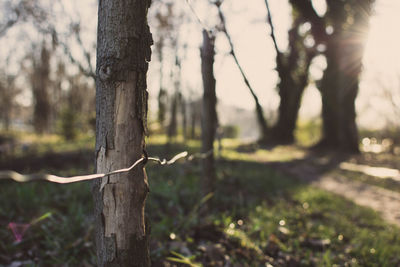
[
  {"x": 290, "y": 99},
  {"x": 339, "y": 87},
  {"x": 172, "y": 126},
  {"x": 123, "y": 53},
  {"x": 209, "y": 115},
  {"x": 184, "y": 116},
  {"x": 173, "y": 123},
  {"x": 6, "y": 103},
  {"x": 193, "y": 119},
  {"x": 40, "y": 81},
  {"x": 162, "y": 106},
  {"x": 330, "y": 99},
  {"x": 162, "y": 94},
  {"x": 339, "y": 90},
  {"x": 290, "y": 91},
  {"x": 293, "y": 68}
]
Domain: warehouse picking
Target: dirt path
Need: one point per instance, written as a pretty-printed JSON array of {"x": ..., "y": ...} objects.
[{"x": 386, "y": 202}]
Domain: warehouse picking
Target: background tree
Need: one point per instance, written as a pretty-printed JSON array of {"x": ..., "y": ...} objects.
[
  {"x": 123, "y": 53},
  {"x": 40, "y": 81},
  {"x": 184, "y": 115},
  {"x": 195, "y": 117},
  {"x": 175, "y": 99},
  {"x": 339, "y": 85},
  {"x": 8, "y": 91},
  {"x": 342, "y": 30},
  {"x": 293, "y": 70},
  {"x": 209, "y": 113},
  {"x": 164, "y": 25}
]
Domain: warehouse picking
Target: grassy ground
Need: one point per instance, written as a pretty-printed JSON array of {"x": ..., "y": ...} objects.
[{"x": 259, "y": 216}]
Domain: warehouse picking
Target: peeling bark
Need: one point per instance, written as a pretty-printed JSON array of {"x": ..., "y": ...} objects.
[{"x": 123, "y": 53}]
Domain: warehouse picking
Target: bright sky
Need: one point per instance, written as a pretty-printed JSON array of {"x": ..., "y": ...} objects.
[{"x": 246, "y": 22}]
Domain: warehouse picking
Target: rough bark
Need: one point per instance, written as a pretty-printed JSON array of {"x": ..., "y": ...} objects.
[
  {"x": 209, "y": 115},
  {"x": 123, "y": 53}
]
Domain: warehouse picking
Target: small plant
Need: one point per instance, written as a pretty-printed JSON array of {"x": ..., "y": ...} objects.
[{"x": 183, "y": 259}]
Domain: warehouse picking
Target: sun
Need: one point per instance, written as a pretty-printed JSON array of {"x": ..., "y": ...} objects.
[{"x": 382, "y": 47}]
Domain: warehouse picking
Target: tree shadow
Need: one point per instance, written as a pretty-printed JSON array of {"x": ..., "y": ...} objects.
[{"x": 315, "y": 164}]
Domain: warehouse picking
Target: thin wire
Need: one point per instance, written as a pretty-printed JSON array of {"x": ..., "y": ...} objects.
[{"x": 66, "y": 180}]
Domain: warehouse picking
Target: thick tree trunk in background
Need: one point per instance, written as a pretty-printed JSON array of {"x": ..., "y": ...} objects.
[
  {"x": 290, "y": 99},
  {"x": 339, "y": 89},
  {"x": 340, "y": 83},
  {"x": 123, "y": 53},
  {"x": 344, "y": 51},
  {"x": 40, "y": 83},
  {"x": 209, "y": 115},
  {"x": 330, "y": 100},
  {"x": 293, "y": 70},
  {"x": 291, "y": 90}
]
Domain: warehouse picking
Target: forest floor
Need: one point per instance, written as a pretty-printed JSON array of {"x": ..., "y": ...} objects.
[{"x": 268, "y": 208}]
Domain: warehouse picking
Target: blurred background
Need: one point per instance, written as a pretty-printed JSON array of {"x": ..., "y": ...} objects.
[{"x": 305, "y": 89}]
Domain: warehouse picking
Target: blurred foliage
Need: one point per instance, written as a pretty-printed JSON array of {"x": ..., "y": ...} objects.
[{"x": 230, "y": 131}]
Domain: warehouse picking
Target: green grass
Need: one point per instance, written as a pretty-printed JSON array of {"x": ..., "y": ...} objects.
[
  {"x": 308, "y": 133},
  {"x": 65, "y": 237},
  {"x": 30, "y": 143},
  {"x": 259, "y": 215}
]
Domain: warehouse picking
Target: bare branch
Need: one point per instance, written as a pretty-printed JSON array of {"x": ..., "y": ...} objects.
[
  {"x": 87, "y": 72},
  {"x": 4, "y": 28},
  {"x": 278, "y": 53},
  {"x": 260, "y": 113}
]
